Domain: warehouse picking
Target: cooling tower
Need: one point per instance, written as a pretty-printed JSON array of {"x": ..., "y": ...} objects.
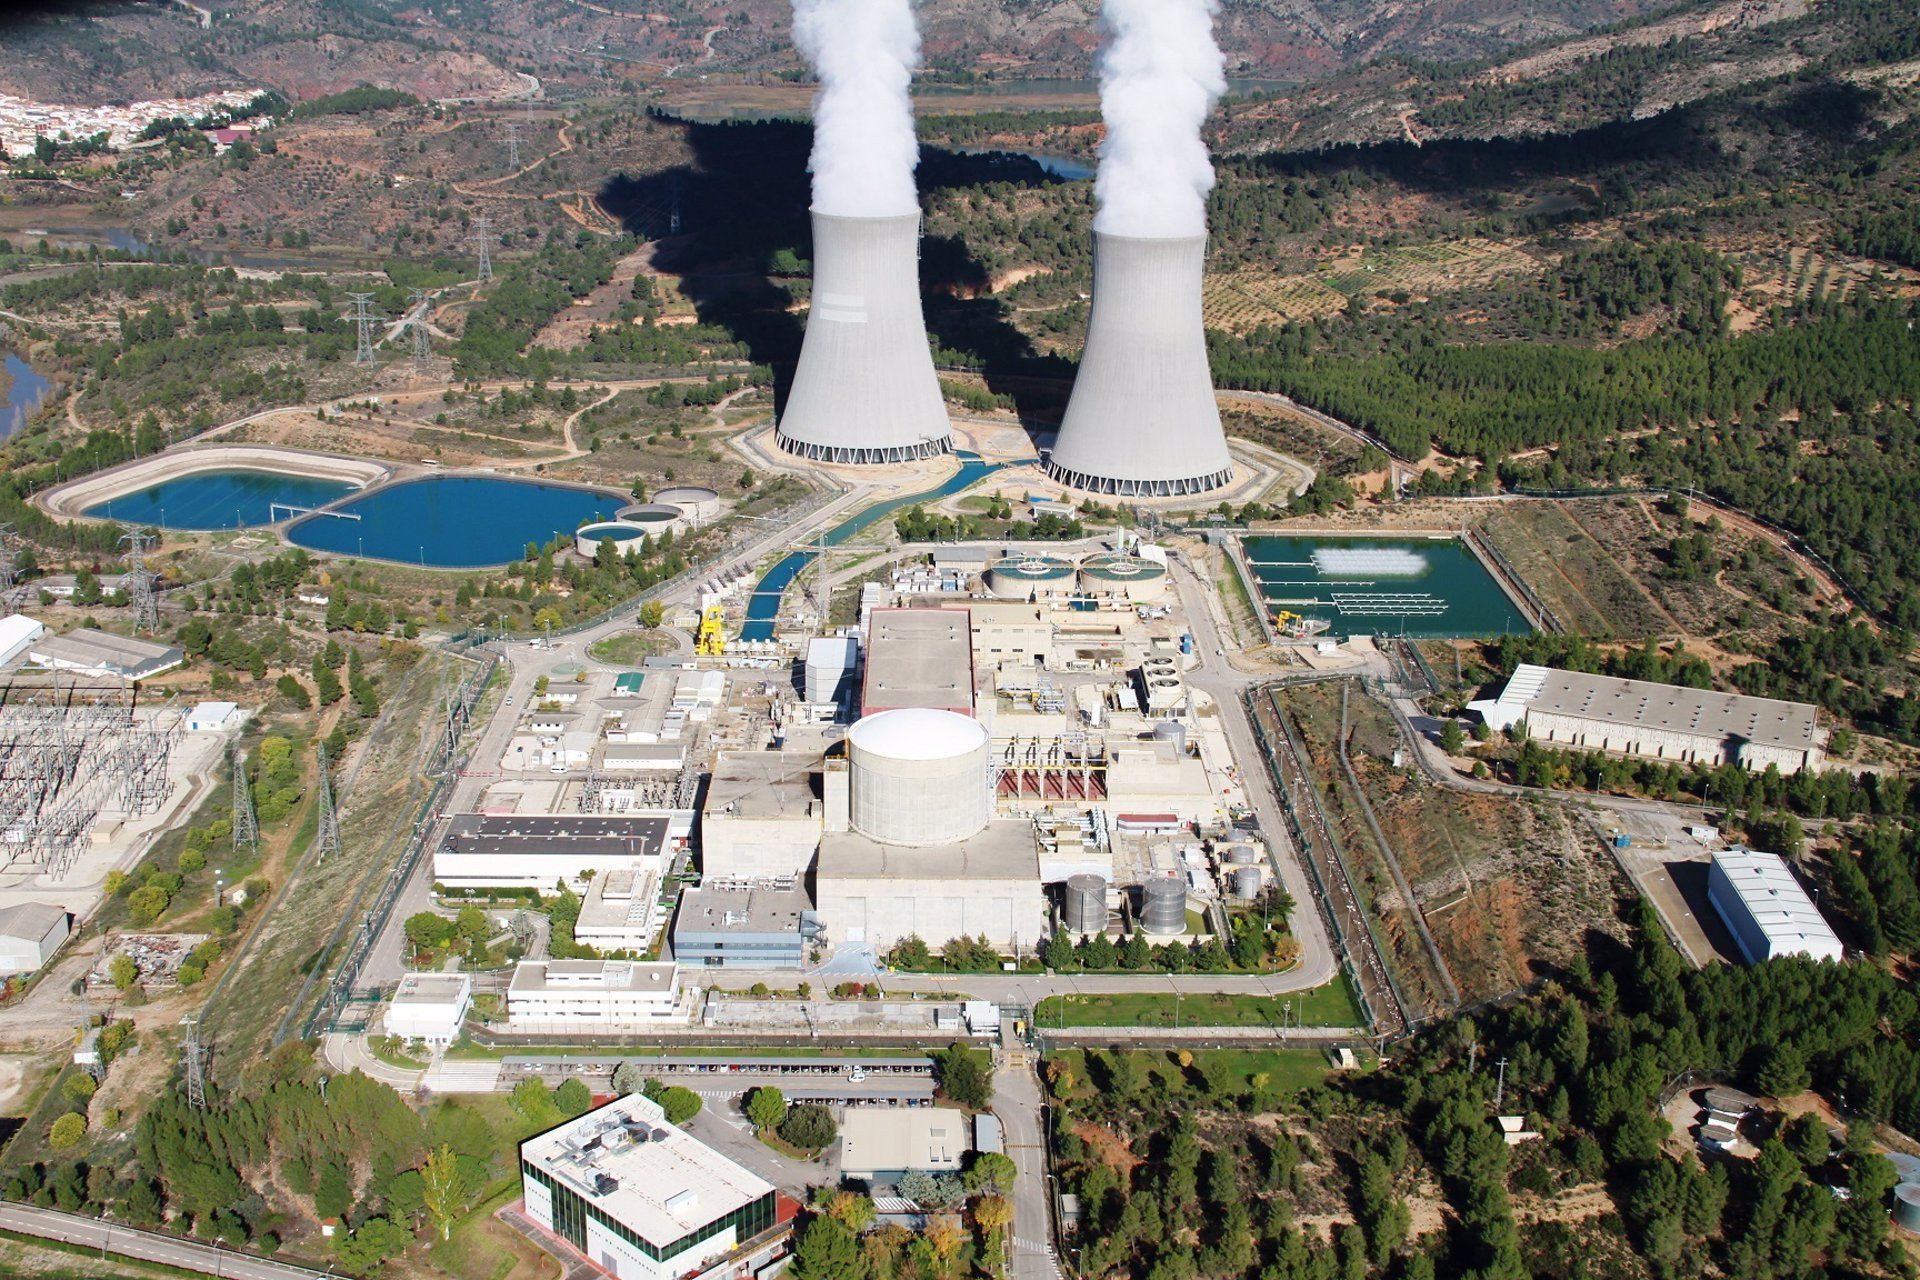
[
  {"x": 1142, "y": 420},
  {"x": 865, "y": 391}
]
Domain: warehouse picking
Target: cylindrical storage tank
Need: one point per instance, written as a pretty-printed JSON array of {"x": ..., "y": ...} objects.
[
  {"x": 699, "y": 503},
  {"x": 1906, "y": 1206},
  {"x": 919, "y": 776},
  {"x": 1128, "y": 576},
  {"x": 1142, "y": 421},
  {"x": 1246, "y": 883},
  {"x": 1085, "y": 907},
  {"x": 865, "y": 390},
  {"x": 627, "y": 537},
  {"x": 1163, "y": 906},
  {"x": 1021, "y": 577},
  {"x": 1242, "y": 855},
  {"x": 1171, "y": 731}
]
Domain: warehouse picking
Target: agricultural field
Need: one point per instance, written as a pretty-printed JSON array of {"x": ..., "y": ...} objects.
[{"x": 1242, "y": 301}]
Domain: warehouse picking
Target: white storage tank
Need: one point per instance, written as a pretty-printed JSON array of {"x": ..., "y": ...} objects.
[
  {"x": 1021, "y": 577},
  {"x": 1247, "y": 882},
  {"x": 1124, "y": 576},
  {"x": 919, "y": 776},
  {"x": 697, "y": 502}
]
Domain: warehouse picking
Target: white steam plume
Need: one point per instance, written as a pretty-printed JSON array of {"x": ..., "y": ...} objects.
[
  {"x": 1160, "y": 75},
  {"x": 864, "y": 148}
]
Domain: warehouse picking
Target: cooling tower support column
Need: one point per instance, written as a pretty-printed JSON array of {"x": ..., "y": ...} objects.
[
  {"x": 865, "y": 390},
  {"x": 1142, "y": 421}
]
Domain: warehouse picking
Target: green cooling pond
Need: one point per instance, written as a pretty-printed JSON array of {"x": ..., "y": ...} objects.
[{"x": 1424, "y": 588}]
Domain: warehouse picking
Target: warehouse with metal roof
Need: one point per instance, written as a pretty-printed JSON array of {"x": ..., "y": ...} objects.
[{"x": 1767, "y": 909}]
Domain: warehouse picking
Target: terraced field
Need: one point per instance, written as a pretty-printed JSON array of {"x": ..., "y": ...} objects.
[{"x": 1239, "y": 301}]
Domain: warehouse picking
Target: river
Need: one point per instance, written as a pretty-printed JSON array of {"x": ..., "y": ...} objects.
[{"x": 26, "y": 388}]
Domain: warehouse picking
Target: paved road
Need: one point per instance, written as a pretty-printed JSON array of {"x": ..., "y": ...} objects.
[
  {"x": 1017, "y": 1101},
  {"x": 146, "y": 1246}
]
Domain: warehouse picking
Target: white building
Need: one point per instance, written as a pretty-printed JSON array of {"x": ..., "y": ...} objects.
[
  {"x": 1768, "y": 911},
  {"x": 564, "y": 996},
  {"x": 884, "y": 1144},
  {"x": 30, "y": 932},
  {"x": 213, "y": 717},
  {"x": 97, "y": 653},
  {"x": 642, "y": 1200},
  {"x": 762, "y": 819},
  {"x": 621, "y": 912},
  {"x": 483, "y": 850},
  {"x": 430, "y": 1007},
  {"x": 987, "y": 885},
  {"x": 17, "y": 631},
  {"x": 1657, "y": 721}
]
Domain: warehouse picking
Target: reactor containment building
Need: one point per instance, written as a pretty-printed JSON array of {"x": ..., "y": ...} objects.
[
  {"x": 865, "y": 389},
  {"x": 1142, "y": 421}
]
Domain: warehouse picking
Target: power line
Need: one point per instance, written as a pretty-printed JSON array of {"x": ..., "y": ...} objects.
[
  {"x": 146, "y": 607},
  {"x": 417, "y": 322},
  {"x": 327, "y": 839},
  {"x": 196, "y": 1063},
  {"x": 246, "y": 827},
  {"x": 513, "y": 146},
  {"x": 482, "y": 238},
  {"x": 363, "y": 322}
]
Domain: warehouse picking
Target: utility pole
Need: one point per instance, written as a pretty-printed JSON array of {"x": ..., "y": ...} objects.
[
  {"x": 513, "y": 146},
  {"x": 146, "y": 609},
  {"x": 246, "y": 827},
  {"x": 363, "y": 321},
  {"x": 196, "y": 1063},
  {"x": 1500, "y": 1089},
  {"x": 417, "y": 322},
  {"x": 327, "y": 839},
  {"x": 483, "y": 245}
]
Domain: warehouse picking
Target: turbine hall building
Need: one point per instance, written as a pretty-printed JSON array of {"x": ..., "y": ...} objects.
[
  {"x": 865, "y": 390},
  {"x": 1657, "y": 721},
  {"x": 1142, "y": 421}
]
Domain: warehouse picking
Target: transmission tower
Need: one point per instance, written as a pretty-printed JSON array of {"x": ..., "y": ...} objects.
[
  {"x": 9, "y": 567},
  {"x": 327, "y": 840},
  {"x": 146, "y": 608},
  {"x": 483, "y": 245},
  {"x": 417, "y": 322},
  {"x": 246, "y": 827},
  {"x": 196, "y": 1054},
  {"x": 363, "y": 322},
  {"x": 513, "y": 146}
]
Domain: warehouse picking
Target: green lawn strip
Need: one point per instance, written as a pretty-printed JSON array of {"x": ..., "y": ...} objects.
[
  {"x": 1285, "y": 1070},
  {"x": 1326, "y": 1006},
  {"x": 481, "y": 1053}
]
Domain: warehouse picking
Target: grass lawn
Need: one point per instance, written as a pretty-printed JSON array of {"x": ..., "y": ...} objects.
[
  {"x": 378, "y": 1046},
  {"x": 480, "y": 1053},
  {"x": 1331, "y": 1005},
  {"x": 630, "y": 647},
  {"x": 1285, "y": 1070}
]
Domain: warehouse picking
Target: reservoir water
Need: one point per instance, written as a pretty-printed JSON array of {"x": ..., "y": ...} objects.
[
  {"x": 1423, "y": 588},
  {"x": 454, "y": 522},
  {"x": 26, "y": 388},
  {"x": 229, "y": 499}
]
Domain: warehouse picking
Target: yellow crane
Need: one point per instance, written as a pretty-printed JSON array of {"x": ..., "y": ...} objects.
[{"x": 712, "y": 640}]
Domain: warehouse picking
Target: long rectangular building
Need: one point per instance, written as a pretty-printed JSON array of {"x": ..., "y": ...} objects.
[
  {"x": 563, "y": 997},
  {"x": 98, "y": 653},
  {"x": 1657, "y": 721},
  {"x": 1766, "y": 908},
  {"x": 511, "y": 850},
  {"x": 919, "y": 658},
  {"x": 642, "y": 1200}
]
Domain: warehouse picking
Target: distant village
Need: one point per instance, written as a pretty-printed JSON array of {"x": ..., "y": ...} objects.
[{"x": 23, "y": 122}]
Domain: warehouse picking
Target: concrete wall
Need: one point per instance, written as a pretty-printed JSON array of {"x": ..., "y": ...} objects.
[
  {"x": 882, "y": 912},
  {"x": 1554, "y": 729},
  {"x": 756, "y": 848}
]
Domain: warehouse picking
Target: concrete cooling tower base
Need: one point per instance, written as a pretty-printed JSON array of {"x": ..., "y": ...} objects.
[
  {"x": 1121, "y": 487},
  {"x": 850, "y": 455}
]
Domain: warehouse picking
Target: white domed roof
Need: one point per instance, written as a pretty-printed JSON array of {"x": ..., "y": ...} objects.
[{"x": 918, "y": 733}]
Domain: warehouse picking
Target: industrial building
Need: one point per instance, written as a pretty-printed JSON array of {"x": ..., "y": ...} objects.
[
  {"x": 621, "y": 911},
  {"x": 430, "y": 1007},
  {"x": 762, "y": 819},
  {"x": 570, "y": 996},
  {"x": 535, "y": 852},
  {"x": 96, "y": 653},
  {"x": 918, "y": 658},
  {"x": 865, "y": 390},
  {"x": 919, "y": 777},
  {"x": 1767, "y": 910},
  {"x": 17, "y": 632},
  {"x": 30, "y": 932},
  {"x": 753, "y": 924},
  {"x": 986, "y": 886},
  {"x": 884, "y": 1144},
  {"x": 1142, "y": 421},
  {"x": 1657, "y": 721},
  {"x": 831, "y": 664},
  {"x": 643, "y": 1200}
]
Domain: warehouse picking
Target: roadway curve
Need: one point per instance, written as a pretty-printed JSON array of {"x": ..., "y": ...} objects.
[{"x": 147, "y": 1246}]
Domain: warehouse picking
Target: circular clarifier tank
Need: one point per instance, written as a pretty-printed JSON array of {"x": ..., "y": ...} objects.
[
  {"x": 1018, "y": 577},
  {"x": 626, "y": 535},
  {"x": 1131, "y": 576},
  {"x": 696, "y": 501}
]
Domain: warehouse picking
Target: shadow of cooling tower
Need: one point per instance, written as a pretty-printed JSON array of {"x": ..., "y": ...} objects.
[{"x": 721, "y": 220}]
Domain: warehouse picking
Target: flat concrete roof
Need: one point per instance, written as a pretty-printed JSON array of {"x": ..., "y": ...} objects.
[
  {"x": 883, "y": 1139},
  {"x": 1667, "y": 708},
  {"x": 919, "y": 658},
  {"x": 432, "y": 988},
  {"x": 762, "y": 784},
  {"x": 1004, "y": 850},
  {"x": 652, "y": 1178},
  {"x": 532, "y": 976},
  {"x": 617, "y": 900},
  {"x": 572, "y": 835},
  {"x": 743, "y": 909},
  {"x": 99, "y": 650}
]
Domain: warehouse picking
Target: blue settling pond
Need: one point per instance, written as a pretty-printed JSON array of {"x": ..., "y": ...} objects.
[
  {"x": 1422, "y": 588},
  {"x": 764, "y": 606},
  {"x": 228, "y": 499},
  {"x": 454, "y": 522}
]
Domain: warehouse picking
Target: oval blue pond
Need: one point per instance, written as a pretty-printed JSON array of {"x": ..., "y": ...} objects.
[
  {"x": 453, "y": 522},
  {"x": 227, "y": 499}
]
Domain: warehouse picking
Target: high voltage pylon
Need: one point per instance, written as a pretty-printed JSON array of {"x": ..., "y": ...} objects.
[
  {"x": 9, "y": 567},
  {"x": 327, "y": 840},
  {"x": 417, "y": 322},
  {"x": 482, "y": 237},
  {"x": 146, "y": 607},
  {"x": 196, "y": 1054},
  {"x": 363, "y": 322},
  {"x": 246, "y": 827},
  {"x": 513, "y": 146}
]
